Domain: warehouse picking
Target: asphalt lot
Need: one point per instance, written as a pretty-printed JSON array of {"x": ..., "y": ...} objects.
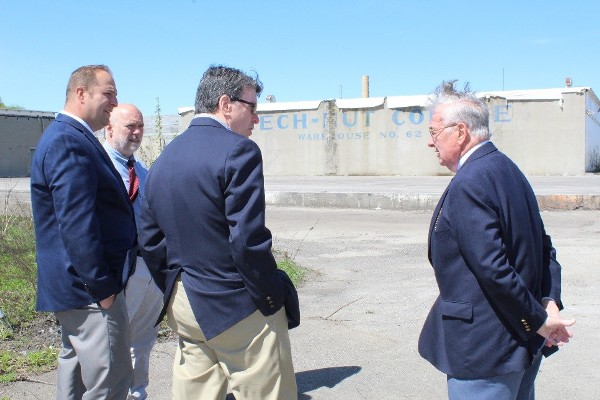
[{"x": 368, "y": 291}]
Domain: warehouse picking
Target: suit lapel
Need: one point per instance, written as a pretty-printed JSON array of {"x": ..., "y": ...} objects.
[
  {"x": 434, "y": 218},
  {"x": 480, "y": 152},
  {"x": 96, "y": 143}
]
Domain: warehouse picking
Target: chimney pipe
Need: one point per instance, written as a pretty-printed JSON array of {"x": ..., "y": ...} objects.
[{"x": 568, "y": 82}]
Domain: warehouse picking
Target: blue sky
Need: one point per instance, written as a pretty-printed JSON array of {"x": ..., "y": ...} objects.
[{"x": 302, "y": 50}]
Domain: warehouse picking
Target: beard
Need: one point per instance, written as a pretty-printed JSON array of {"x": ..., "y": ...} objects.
[{"x": 126, "y": 147}]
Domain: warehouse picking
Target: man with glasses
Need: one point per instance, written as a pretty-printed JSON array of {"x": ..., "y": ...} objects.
[
  {"x": 203, "y": 234},
  {"x": 499, "y": 281}
]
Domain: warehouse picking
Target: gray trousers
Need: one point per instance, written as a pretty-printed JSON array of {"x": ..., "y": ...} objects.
[
  {"x": 514, "y": 386},
  {"x": 94, "y": 361},
  {"x": 144, "y": 301}
]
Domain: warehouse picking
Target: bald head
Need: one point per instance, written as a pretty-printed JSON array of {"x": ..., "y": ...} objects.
[{"x": 125, "y": 129}]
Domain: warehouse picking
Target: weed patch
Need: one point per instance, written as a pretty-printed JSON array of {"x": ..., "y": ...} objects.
[
  {"x": 17, "y": 366},
  {"x": 293, "y": 270},
  {"x": 28, "y": 340}
]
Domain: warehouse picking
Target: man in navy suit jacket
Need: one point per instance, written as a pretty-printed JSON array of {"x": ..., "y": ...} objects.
[
  {"x": 85, "y": 240},
  {"x": 495, "y": 266},
  {"x": 203, "y": 234}
]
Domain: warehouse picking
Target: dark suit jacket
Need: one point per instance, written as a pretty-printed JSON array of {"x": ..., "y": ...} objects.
[
  {"x": 493, "y": 263},
  {"x": 204, "y": 217},
  {"x": 84, "y": 224}
]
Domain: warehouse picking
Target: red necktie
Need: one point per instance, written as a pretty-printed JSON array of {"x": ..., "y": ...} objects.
[{"x": 134, "y": 182}]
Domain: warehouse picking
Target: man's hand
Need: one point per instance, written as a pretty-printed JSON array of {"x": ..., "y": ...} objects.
[
  {"x": 554, "y": 328},
  {"x": 106, "y": 303}
]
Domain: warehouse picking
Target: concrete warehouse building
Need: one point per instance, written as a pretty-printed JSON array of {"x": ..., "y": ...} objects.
[
  {"x": 545, "y": 131},
  {"x": 20, "y": 131}
]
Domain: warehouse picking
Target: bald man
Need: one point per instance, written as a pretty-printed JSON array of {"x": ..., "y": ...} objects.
[{"x": 124, "y": 134}]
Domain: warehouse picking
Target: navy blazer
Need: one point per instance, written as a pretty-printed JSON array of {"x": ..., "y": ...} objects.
[
  {"x": 84, "y": 224},
  {"x": 203, "y": 217},
  {"x": 493, "y": 264}
]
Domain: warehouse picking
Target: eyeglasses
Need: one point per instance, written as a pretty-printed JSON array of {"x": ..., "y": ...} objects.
[
  {"x": 436, "y": 132},
  {"x": 251, "y": 104}
]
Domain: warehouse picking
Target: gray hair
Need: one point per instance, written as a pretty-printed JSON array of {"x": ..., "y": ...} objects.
[
  {"x": 219, "y": 80},
  {"x": 462, "y": 106}
]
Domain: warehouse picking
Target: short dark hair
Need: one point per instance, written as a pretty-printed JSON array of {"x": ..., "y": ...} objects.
[
  {"x": 85, "y": 76},
  {"x": 219, "y": 80}
]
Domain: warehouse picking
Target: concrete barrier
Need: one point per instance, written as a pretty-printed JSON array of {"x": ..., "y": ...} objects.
[{"x": 367, "y": 192}]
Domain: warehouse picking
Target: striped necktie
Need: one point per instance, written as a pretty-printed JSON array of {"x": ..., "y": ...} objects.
[{"x": 134, "y": 182}]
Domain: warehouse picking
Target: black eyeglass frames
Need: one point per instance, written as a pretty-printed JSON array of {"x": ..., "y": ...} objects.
[{"x": 250, "y": 103}]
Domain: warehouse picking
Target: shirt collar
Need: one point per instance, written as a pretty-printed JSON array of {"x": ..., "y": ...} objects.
[
  {"x": 464, "y": 158},
  {"x": 207, "y": 115},
  {"x": 113, "y": 153},
  {"x": 75, "y": 117}
]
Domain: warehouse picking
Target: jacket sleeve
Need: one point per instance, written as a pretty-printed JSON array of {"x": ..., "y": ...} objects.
[
  {"x": 73, "y": 180},
  {"x": 551, "y": 278},
  {"x": 477, "y": 228},
  {"x": 249, "y": 237},
  {"x": 152, "y": 244}
]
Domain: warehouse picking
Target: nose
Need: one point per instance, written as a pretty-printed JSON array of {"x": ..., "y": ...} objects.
[
  {"x": 430, "y": 142},
  {"x": 255, "y": 119},
  {"x": 114, "y": 102}
]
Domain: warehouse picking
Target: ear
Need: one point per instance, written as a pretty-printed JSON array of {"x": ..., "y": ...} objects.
[
  {"x": 464, "y": 136},
  {"x": 108, "y": 130},
  {"x": 79, "y": 93},
  {"x": 224, "y": 104}
]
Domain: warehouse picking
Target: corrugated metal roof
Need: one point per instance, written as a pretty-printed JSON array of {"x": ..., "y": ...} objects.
[
  {"x": 406, "y": 101},
  {"x": 26, "y": 113},
  {"x": 414, "y": 100},
  {"x": 363, "y": 102},
  {"x": 533, "y": 94},
  {"x": 289, "y": 106}
]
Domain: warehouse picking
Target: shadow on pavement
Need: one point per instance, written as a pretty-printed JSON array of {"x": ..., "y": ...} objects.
[{"x": 310, "y": 380}]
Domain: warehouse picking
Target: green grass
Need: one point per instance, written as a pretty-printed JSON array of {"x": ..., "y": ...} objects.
[
  {"x": 15, "y": 366},
  {"x": 17, "y": 301},
  {"x": 295, "y": 272},
  {"x": 17, "y": 271}
]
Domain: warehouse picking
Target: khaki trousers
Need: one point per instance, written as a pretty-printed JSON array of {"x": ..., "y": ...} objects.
[{"x": 254, "y": 356}]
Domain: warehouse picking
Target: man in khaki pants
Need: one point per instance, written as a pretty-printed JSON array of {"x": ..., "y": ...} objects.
[{"x": 203, "y": 236}]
